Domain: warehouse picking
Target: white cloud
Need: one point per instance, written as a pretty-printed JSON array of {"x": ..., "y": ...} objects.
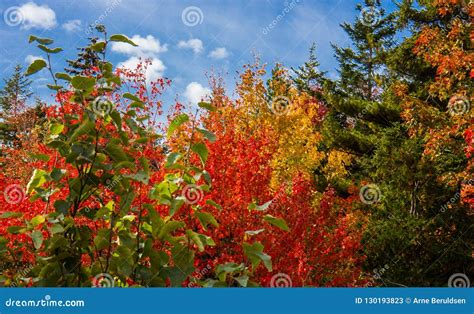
[
  {"x": 195, "y": 92},
  {"x": 36, "y": 16},
  {"x": 154, "y": 71},
  {"x": 219, "y": 53},
  {"x": 30, "y": 58},
  {"x": 72, "y": 25},
  {"x": 193, "y": 44},
  {"x": 147, "y": 46}
]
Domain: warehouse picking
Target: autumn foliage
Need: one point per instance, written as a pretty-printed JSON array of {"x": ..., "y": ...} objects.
[{"x": 290, "y": 183}]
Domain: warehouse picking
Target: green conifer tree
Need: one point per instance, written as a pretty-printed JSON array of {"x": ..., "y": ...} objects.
[{"x": 16, "y": 90}]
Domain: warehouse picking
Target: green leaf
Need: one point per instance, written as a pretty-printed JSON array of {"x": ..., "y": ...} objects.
[
  {"x": 57, "y": 174},
  {"x": 42, "y": 157},
  {"x": 169, "y": 227},
  {"x": 62, "y": 206},
  {"x": 171, "y": 159},
  {"x": 163, "y": 191},
  {"x": 35, "y": 66},
  {"x": 57, "y": 228},
  {"x": 58, "y": 145},
  {"x": 132, "y": 97},
  {"x": 201, "y": 240},
  {"x": 43, "y": 41},
  {"x": 11, "y": 215},
  {"x": 3, "y": 245},
  {"x": 262, "y": 207},
  {"x": 242, "y": 280},
  {"x": 124, "y": 165},
  {"x": 145, "y": 165},
  {"x": 255, "y": 254},
  {"x": 37, "y": 237},
  {"x": 278, "y": 222},
  {"x": 125, "y": 260},
  {"x": 117, "y": 119},
  {"x": 126, "y": 201},
  {"x": 177, "y": 121},
  {"x": 85, "y": 127},
  {"x": 229, "y": 268},
  {"x": 207, "y": 134},
  {"x": 206, "y": 218},
  {"x": 116, "y": 152},
  {"x": 206, "y": 106},
  {"x": 105, "y": 211},
  {"x": 37, "y": 220},
  {"x": 183, "y": 259},
  {"x": 212, "y": 203},
  {"x": 49, "y": 50},
  {"x": 201, "y": 150},
  {"x": 57, "y": 241},
  {"x": 54, "y": 87},
  {"x": 37, "y": 179},
  {"x": 98, "y": 46},
  {"x": 101, "y": 240},
  {"x": 114, "y": 79},
  {"x": 16, "y": 229},
  {"x": 176, "y": 204},
  {"x": 140, "y": 176},
  {"x": 129, "y": 218},
  {"x": 56, "y": 128},
  {"x": 62, "y": 76},
  {"x": 137, "y": 104},
  {"x": 207, "y": 177},
  {"x": 83, "y": 82},
  {"x": 122, "y": 38}
]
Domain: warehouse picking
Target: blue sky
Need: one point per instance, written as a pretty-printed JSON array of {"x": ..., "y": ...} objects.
[{"x": 186, "y": 39}]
